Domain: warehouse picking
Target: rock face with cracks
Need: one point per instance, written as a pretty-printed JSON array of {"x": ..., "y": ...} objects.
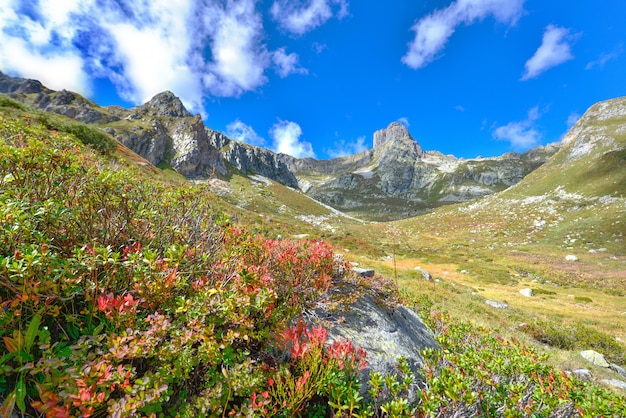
[{"x": 384, "y": 333}]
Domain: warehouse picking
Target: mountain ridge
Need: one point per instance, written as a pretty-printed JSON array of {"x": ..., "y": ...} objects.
[{"x": 395, "y": 179}]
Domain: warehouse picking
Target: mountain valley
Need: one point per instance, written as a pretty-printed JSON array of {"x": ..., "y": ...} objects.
[{"x": 527, "y": 247}]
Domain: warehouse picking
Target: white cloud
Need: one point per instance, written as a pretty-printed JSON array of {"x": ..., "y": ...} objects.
[
  {"x": 343, "y": 148},
  {"x": 153, "y": 57},
  {"x": 433, "y": 31},
  {"x": 287, "y": 63},
  {"x": 191, "y": 47},
  {"x": 239, "y": 131},
  {"x": 459, "y": 108},
  {"x": 404, "y": 120},
  {"x": 41, "y": 49},
  {"x": 286, "y": 136},
  {"x": 522, "y": 134},
  {"x": 300, "y": 17},
  {"x": 239, "y": 57},
  {"x": 604, "y": 58},
  {"x": 555, "y": 49},
  {"x": 572, "y": 119}
]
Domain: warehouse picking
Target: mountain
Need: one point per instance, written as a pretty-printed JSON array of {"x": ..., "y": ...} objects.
[
  {"x": 399, "y": 179},
  {"x": 396, "y": 179}
]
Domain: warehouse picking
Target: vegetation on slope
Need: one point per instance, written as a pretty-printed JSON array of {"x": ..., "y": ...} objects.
[{"x": 122, "y": 296}]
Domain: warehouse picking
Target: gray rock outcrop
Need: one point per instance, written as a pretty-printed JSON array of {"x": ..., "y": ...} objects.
[
  {"x": 254, "y": 160},
  {"x": 364, "y": 272},
  {"x": 384, "y": 333},
  {"x": 616, "y": 383},
  {"x": 425, "y": 275},
  {"x": 496, "y": 304},
  {"x": 395, "y": 131},
  {"x": 166, "y": 104},
  {"x": 194, "y": 157},
  {"x": 398, "y": 178},
  {"x": 582, "y": 374}
]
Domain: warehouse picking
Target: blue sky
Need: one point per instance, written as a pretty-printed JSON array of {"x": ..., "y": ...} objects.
[{"x": 318, "y": 77}]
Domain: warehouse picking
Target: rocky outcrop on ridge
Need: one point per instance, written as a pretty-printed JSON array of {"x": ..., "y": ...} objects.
[
  {"x": 254, "y": 160},
  {"x": 66, "y": 103},
  {"x": 598, "y": 129}
]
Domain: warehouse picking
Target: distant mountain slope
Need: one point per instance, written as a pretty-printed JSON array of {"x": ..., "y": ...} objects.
[
  {"x": 574, "y": 202},
  {"x": 394, "y": 180}
]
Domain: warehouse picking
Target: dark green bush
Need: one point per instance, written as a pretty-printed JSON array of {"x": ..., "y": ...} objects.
[{"x": 577, "y": 337}]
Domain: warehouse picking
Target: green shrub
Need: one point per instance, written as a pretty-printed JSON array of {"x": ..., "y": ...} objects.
[
  {"x": 6, "y": 101},
  {"x": 478, "y": 373},
  {"x": 576, "y": 336},
  {"x": 87, "y": 134},
  {"x": 583, "y": 299}
]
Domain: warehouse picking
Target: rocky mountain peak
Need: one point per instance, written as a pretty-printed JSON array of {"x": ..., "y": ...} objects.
[
  {"x": 395, "y": 130},
  {"x": 167, "y": 104}
]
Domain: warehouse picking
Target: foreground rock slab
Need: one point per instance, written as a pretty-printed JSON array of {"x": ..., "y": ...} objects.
[{"x": 385, "y": 333}]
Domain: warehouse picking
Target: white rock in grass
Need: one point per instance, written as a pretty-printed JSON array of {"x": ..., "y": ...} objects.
[
  {"x": 364, "y": 272},
  {"x": 497, "y": 305},
  {"x": 571, "y": 257},
  {"x": 582, "y": 374},
  {"x": 527, "y": 292},
  {"x": 595, "y": 358},
  {"x": 426, "y": 275}
]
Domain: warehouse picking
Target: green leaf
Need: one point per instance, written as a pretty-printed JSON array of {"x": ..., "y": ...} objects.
[
  {"x": 73, "y": 332},
  {"x": 31, "y": 332},
  {"x": 62, "y": 350},
  {"x": 5, "y": 358},
  {"x": 97, "y": 330},
  {"x": 20, "y": 394}
]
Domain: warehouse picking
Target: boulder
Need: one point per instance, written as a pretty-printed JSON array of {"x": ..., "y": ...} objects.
[
  {"x": 426, "y": 275},
  {"x": 617, "y": 369},
  {"x": 497, "y": 305},
  {"x": 582, "y": 374},
  {"x": 571, "y": 257},
  {"x": 595, "y": 358},
  {"x": 364, "y": 272},
  {"x": 528, "y": 292},
  {"x": 384, "y": 332}
]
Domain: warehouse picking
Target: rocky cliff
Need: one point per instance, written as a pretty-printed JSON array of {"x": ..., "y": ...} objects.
[
  {"x": 162, "y": 131},
  {"x": 397, "y": 178}
]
